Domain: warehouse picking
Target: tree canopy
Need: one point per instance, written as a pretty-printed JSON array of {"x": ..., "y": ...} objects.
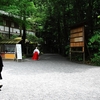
[{"x": 53, "y": 19}]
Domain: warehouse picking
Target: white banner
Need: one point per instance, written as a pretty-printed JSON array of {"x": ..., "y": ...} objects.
[{"x": 19, "y": 51}]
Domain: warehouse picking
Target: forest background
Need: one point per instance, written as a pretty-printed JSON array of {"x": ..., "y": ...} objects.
[{"x": 53, "y": 20}]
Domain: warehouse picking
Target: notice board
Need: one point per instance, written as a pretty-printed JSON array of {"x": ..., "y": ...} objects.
[
  {"x": 77, "y": 37},
  {"x": 77, "y": 40},
  {"x": 19, "y": 51}
]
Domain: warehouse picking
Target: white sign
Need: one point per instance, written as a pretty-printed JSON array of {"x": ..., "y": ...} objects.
[
  {"x": 19, "y": 51},
  {"x": 79, "y": 39}
]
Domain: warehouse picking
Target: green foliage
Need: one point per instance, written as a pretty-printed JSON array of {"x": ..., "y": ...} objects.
[
  {"x": 93, "y": 44},
  {"x": 52, "y": 19},
  {"x": 96, "y": 59},
  {"x": 94, "y": 41},
  {"x": 33, "y": 38},
  {"x": 23, "y": 56},
  {"x": 0, "y": 36},
  {"x": 78, "y": 57},
  {"x": 95, "y": 37},
  {"x": 67, "y": 49},
  {"x": 13, "y": 36}
]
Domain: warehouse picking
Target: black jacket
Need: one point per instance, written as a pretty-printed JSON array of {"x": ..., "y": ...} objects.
[{"x": 1, "y": 63}]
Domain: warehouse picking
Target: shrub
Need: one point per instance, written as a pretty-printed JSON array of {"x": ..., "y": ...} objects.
[
  {"x": 94, "y": 47},
  {"x": 96, "y": 60}
]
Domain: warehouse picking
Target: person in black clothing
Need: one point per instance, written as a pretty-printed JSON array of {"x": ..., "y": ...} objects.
[{"x": 1, "y": 67}]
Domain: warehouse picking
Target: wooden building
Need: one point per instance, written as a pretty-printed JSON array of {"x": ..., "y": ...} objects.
[
  {"x": 7, "y": 48},
  {"x": 10, "y": 25}
]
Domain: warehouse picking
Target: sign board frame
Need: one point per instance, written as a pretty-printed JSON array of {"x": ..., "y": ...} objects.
[
  {"x": 19, "y": 51},
  {"x": 77, "y": 41}
]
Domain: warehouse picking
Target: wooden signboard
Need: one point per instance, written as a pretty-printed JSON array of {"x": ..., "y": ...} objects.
[{"x": 77, "y": 40}]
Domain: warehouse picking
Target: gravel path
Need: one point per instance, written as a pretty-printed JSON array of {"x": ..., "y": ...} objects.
[{"x": 50, "y": 78}]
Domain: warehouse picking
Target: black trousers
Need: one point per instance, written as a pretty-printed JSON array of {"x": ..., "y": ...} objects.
[
  {"x": 0, "y": 73},
  {"x": 0, "y": 76}
]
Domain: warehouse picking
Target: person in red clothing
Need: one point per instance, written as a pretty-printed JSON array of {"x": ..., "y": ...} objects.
[{"x": 36, "y": 53}]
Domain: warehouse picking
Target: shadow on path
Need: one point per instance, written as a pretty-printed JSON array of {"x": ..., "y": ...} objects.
[{"x": 48, "y": 63}]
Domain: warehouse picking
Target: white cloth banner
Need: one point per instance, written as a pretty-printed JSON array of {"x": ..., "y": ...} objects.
[{"x": 19, "y": 51}]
